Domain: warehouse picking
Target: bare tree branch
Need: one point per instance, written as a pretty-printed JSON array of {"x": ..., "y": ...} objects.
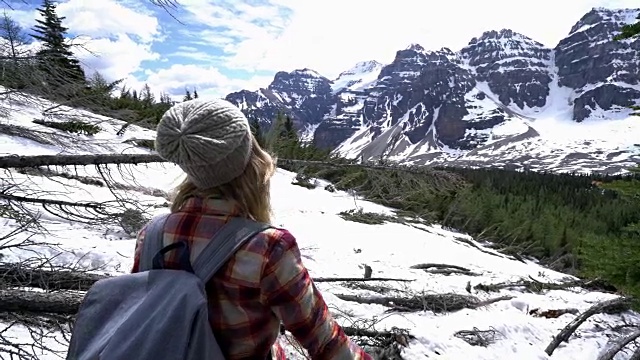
[
  {"x": 616, "y": 304},
  {"x": 427, "y": 302},
  {"x": 609, "y": 353},
  {"x": 8, "y": 3}
]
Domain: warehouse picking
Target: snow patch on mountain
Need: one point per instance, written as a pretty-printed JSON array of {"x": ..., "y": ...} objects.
[{"x": 361, "y": 76}]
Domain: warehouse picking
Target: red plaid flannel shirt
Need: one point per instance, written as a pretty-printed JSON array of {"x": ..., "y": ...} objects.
[{"x": 263, "y": 283}]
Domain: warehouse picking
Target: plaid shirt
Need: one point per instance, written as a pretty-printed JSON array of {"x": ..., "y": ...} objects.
[{"x": 264, "y": 283}]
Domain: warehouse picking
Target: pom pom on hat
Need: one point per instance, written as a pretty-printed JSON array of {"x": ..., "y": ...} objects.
[{"x": 209, "y": 139}]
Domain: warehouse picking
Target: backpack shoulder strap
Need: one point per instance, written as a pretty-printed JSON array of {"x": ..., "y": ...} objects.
[
  {"x": 225, "y": 243},
  {"x": 153, "y": 241}
]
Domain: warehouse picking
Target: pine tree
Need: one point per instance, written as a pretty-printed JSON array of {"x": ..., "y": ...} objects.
[
  {"x": 289, "y": 131},
  {"x": 629, "y": 31},
  {"x": 187, "y": 95},
  {"x": 146, "y": 96},
  {"x": 195, "y": 93},
  {"x": 282, "y": 138},
  {"x": 97, "y": 83},
  {"x": 275, "y": 133},
  {"x": 256, "y": 130},
  {"x": 100, "y": 90},
  {"x": 165, "y": 98},
  {"x": 55, "y": 58}
]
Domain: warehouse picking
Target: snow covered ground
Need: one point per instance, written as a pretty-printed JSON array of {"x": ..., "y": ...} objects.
[{"x": 332, "y": 247}]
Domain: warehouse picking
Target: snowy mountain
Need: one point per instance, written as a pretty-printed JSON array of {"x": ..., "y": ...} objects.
[
  {"x": 503, "y": 100},
  {"x": 303, "y": 94},
  {"x": 515, "y": 325},
  {"x": 361, "y": 76}
]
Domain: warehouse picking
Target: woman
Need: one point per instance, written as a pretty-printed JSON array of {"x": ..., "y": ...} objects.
[{"x": 265, "y": 282}]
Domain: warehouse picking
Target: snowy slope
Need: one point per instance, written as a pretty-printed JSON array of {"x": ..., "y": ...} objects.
[
  {"x": 540, "y": 139},
  {"x": 331, "y": 246}
]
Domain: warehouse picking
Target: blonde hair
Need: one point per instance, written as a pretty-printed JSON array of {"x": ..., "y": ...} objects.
[{"x": 250, "y": 190}]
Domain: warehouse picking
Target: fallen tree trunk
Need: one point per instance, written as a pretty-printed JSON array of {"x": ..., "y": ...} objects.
[
  {"x": 443, "y": 269},
  {"x": 553, "y": 313},
  {"x": 636, "y": 354},
  {"x": 14, "y": 161},
  {"x": 52, "y": 308},
  {"x": 353, "y": 331},
  {"x": 450, "y": 272},
  {"x": 329, "y": 279},
  {"x": 438, "y": 266},
  {"x": 17, "y": 161},
  {"x": 613, "y": 350},
  {"x": 612, "y": 305},
  {"x": 90, "y": 205},
  {"x": 431, "y": 302},
  {"x": 530, "y": 285},
  {"x": 66, "y": 303},
  {"x": 14, "y": 275}
]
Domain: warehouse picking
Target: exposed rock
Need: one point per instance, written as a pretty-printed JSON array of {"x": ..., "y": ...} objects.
[
  {"x": 516, "y": 68},
  {"x": 588, "y": 58}
]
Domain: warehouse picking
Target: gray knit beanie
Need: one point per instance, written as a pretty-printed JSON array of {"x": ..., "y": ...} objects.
[{"x": 209, "y": 139}]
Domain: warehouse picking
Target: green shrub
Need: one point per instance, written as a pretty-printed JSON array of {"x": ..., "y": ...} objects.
[
  {"x": 369, "y": 218},
  {"x": 71, "y": 126},
  {"x": 143, "y": 143},
  {"x": 305, "y": 181}
]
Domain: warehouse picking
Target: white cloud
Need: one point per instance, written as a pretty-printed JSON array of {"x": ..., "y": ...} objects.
[
  {"x": 118, "y": 38},
  {"x": 331, "y": 35},
  {"x": 209, "y": 81},
  {"x": 114, "y": 59},
  {"x": 115, "y": 39},
  {"x": 106, "y": 18},
  {"x": 236, "y": 28},
  {"x": 272, "y": 35}
]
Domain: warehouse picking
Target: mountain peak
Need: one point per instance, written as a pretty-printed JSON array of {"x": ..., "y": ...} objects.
[
  {"x": 361, "y": 74},
  {"x": 597, "y": 15},
  {"x": 415, "y": 47},
  {"x": 306, "y": 72},
  {"x": 504, "y": 34},
  {"x": 361, "y": 67}
]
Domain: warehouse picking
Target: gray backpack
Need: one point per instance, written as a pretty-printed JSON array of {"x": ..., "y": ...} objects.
[{"x": 157, "y": 313}]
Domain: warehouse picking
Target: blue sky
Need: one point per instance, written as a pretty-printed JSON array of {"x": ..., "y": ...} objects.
[{"x": 228, "y": 45}]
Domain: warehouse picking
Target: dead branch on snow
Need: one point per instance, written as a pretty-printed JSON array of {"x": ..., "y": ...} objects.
[
  {"x": 16, "y": 161},
  {"x": 610, "y": 352},
  {"x": 443, "y": 269},
  {"x": 477, "y": 337},
  {"x": 428, "y": 302},
  {"x": 531, "y": 285},
  {"x": 615, "y": 305}
]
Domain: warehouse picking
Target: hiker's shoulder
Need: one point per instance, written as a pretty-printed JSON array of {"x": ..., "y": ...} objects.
[{"x": 273, "y": 237}]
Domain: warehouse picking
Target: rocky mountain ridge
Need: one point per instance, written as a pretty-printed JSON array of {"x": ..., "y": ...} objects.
[{"x": 503, "y": 91}]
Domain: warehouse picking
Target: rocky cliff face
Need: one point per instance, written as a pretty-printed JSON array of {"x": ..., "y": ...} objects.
[
  {"x": 426, "y": 106},
  {"x": 303, "y": 94},
  {"x": 514, "y": 67},
  {"x": 603, "y": 73}
]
